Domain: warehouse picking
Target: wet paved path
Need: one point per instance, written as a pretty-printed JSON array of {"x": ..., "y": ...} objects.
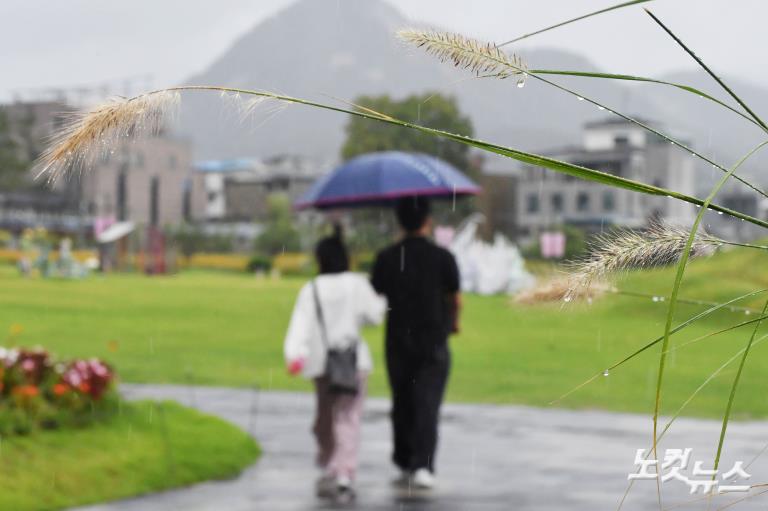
[{"x": 491, "y": 458}]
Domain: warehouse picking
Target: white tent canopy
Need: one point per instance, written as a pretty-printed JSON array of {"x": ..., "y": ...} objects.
[
  {"x": 115, "y": 231},
  {"x": 488, "y": 268}
]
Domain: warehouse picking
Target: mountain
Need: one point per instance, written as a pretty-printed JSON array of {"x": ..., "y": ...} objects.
[{"x": 333, "y": 50}]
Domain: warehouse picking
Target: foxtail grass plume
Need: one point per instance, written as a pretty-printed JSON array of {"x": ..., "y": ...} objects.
[
  {"x": 90, "y": 134},
  {"x": 472, "y": 54},
  {"x": 557, "y": 290},
  {"x": 661, "y": 244}
]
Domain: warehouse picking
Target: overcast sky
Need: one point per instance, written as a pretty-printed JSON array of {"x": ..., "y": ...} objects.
[{"x": 51, "y": 43}]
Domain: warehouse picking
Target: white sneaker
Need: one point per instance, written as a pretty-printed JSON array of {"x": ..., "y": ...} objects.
[
  {"x": 345, "y": 493},
  {"x": 423, "y": 479},
  {"x": 343, "y": 481}
]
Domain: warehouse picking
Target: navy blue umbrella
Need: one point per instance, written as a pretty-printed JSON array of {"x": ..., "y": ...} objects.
[{"x": 377, "y": 179}]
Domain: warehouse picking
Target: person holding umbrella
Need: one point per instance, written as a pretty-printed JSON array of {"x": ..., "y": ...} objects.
[{"x": 421, "y": 283}]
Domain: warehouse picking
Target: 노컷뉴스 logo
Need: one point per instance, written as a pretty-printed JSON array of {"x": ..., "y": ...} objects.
[{"x": 676, "y": 462}]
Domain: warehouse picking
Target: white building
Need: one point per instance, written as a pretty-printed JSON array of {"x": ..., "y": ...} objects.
[
  {"x": 237, "y": 190},
  {"x": 546, "y": 199}
]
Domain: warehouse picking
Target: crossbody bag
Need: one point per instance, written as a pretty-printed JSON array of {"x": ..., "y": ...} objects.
[{"x": 340, "y": 363}]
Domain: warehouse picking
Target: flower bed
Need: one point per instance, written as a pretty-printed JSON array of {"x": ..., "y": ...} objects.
[{"x": 39, "y": 392}]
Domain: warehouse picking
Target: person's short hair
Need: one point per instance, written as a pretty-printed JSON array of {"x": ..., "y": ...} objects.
[
  {"x": 412, "y": 212},
  {"x": 331, "y": 253}
]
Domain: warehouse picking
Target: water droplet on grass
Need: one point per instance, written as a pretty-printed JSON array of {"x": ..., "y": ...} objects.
[{"x": 606, "y": 372}]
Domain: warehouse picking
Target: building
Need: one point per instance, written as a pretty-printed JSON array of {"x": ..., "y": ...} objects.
[
  {"x": 498, "y": 179},
  {"x": 237, "y": 190},
  {"x": 31, "y": 125},
  {"x": 546, "y": 199},
  {"x": 150, "y": 182},
  {"x": 32, "y": 204}
]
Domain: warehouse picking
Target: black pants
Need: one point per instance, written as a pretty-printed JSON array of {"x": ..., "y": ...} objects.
[{"x": 417, "y": 365}]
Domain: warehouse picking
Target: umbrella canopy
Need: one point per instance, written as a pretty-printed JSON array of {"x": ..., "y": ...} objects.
[
  {"x": 115, "y": 231},
  {"x": 377, "y": 179}
]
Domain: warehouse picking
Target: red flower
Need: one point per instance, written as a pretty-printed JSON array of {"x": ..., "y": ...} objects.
[
  {"x": 60, "y": 389},
  {"x": 26, "y": 391}
]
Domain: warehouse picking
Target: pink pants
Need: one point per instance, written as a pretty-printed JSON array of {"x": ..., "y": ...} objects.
[{"x": 337, "y": 427}]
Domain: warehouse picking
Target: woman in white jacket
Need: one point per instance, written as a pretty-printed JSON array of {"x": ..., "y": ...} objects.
[{"x": 347, "y": 303}]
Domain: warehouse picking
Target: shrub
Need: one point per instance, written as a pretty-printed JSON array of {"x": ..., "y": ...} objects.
[
  {"x": 259, "y": 263},
  {"x": 37, "y": 391}
]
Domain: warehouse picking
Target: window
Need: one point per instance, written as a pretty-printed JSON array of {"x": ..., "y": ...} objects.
[
  {"x": 532, "y": 203},
  {"x": 154, "y": 201},
  {"x": 122, "y": 195},
  {"x": 186, "y": 200},
  {"x": 557, "y": 203},
  {"x": 609, "y": 203},
  {"x": 582, "y": 202},
  {"x": 620, "y": 141}
]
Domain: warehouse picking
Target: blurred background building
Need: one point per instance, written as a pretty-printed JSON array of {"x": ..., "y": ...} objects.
[{"x": 531, "y": 200}]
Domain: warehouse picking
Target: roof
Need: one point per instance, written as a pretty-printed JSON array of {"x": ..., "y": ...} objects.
[
  {"x": 224, "y": 166},
  {"x": 617, "y": 121}
]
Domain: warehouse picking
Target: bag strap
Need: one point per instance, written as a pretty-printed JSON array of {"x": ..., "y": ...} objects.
[{"x": 319, "y": 312}]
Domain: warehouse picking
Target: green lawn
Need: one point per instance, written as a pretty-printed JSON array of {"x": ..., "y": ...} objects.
[
  {"x": 227, "y": 329},
  {"x": 146, "y": 447}
]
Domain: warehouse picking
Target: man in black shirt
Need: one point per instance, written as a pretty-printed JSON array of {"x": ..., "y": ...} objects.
[{"x": 421, "y": 283}]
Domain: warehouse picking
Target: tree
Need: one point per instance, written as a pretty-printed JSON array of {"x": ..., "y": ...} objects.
[
  {"x": 428, "y": 109},
  {"x": 280, "y": 235},
  {"x": 12, "y": 168}
]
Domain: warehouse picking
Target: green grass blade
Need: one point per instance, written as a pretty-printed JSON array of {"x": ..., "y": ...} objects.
[
  {"x": 732, "y": 396},
  {"x": 649, "y": 345},
  {"x": 682, "y": 407},
  {"x": 703, "y": 314},
  {"x": 717, "y": 332},
  {"x": 632, "y": 78},
  {"x": 709, "y": 71},
  {"x": 505, "y": 63},
  {"x": 687, "y": 301},
  {"x": 585, "y": 16},
  {"x": 676, "y": 288},
  {"x": 522, "y": 156},
  {"x": 650, "y": 129}
]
